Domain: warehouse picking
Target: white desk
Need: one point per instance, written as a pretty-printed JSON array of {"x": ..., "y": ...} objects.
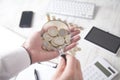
[{"x": 107, "y": 17}]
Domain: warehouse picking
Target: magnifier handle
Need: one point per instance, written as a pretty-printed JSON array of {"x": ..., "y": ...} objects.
[{"x": 62, "y": 54}]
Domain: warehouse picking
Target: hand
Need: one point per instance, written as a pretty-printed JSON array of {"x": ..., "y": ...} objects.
[
  {"x": 34, "y": 46},
  {"x": 69, "y": 70}
]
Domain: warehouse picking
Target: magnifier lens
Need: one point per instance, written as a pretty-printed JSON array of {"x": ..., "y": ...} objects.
[{"x": 56, "y": 35}]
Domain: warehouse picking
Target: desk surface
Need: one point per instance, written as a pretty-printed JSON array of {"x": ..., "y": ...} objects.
[{"x": 107, "y": 17}]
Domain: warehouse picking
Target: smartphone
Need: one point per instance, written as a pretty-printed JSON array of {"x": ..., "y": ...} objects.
[
  {"x": 26, "y": 19},
  {"x": 104, "y": 39}
]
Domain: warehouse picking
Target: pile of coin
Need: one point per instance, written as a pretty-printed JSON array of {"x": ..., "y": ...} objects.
[{"x": 54, "y": 39}]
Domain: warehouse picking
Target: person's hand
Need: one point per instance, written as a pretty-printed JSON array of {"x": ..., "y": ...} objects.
[
  {"x": 69, "y": 70},
  {"x": 34, "y": 46}
]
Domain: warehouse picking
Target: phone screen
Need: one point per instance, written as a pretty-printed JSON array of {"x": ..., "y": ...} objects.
[
  {"x": 26, "y": 19},
  {"x": 104, "y": 39}
]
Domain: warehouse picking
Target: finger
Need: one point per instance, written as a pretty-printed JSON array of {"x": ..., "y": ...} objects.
[
  {"x": 70, "y": 46},
  {"x": 60, "y": 67},
  {"x": 78, "y": 65},
  {"x": 75, "y": 32},
  {"x": 75, "y": 38},
  {"x": 72, "y": 29},
  {"x": 73, "y": 43},
  {"x": 78, "y": 70},
  {"x": 70, "y": 63}
]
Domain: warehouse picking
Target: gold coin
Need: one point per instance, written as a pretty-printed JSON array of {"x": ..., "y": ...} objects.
[
  {"x": 63, "y": 32},
  {"x": 59, "y": 40},
  {"x": 47, "y": 45},
  {"x": 68, "y": 39},
  {"x": 52, "y": 42},
  {"x": 47, "y": 37},
  {"x": 53, "y": 31}
]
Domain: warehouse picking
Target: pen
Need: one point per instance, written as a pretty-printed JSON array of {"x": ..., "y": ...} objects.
[{"x": 36, "y": 74}]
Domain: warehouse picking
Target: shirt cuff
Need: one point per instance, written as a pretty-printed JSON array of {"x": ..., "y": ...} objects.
[{"x": 16, "y": 60}]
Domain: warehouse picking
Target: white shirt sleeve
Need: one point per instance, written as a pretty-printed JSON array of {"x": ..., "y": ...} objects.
[{"x": 13, "y": 62}]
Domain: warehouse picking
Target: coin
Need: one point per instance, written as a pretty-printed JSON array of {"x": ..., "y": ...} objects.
[
  {"x": 53, "y": 31},
  {"x": 63, "y": 32},
  {"x": 47, "y": 37},
  {"x": 55, "y": 38},
  {"x": 68, "y": 39},
  {"x": 59, "y": 40}
]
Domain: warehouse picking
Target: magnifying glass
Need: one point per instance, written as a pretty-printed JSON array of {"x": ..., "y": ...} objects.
[{"x": 56, "y": 36}]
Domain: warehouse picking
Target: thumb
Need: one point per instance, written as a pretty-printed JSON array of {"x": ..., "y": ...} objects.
[
  {"x": 61, "y": 64},
  {"x": 60, "y": 68}
]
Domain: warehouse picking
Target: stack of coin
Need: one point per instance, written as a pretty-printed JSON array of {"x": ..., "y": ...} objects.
[{"x": 54, "y": 39}]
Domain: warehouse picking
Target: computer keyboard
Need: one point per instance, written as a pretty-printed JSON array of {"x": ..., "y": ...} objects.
[{"x": 72, "y": 8}]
